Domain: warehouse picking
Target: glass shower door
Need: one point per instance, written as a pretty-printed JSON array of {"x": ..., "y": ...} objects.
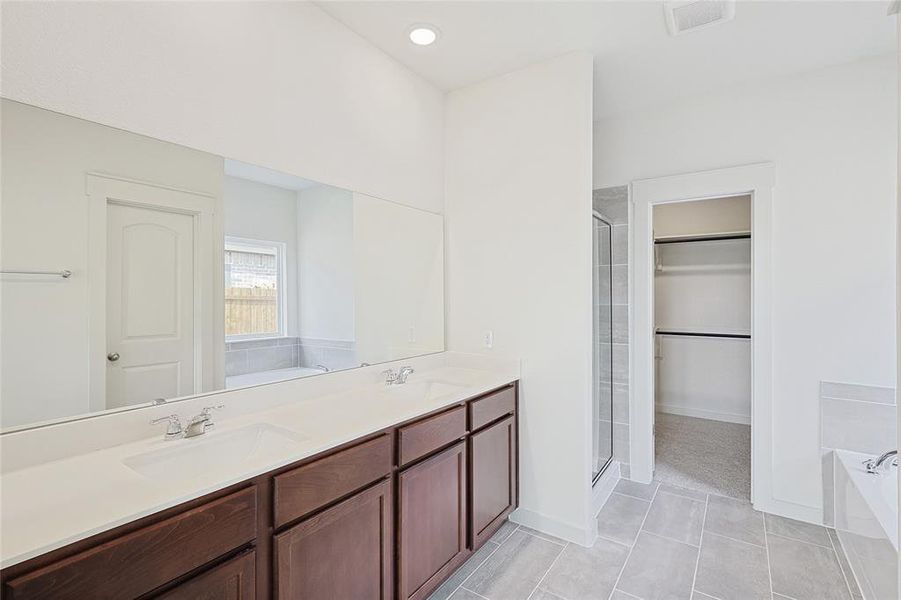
[{"x": 602, "y": 338}]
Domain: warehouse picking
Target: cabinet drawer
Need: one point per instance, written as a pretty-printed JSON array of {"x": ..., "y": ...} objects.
[
  {"x": 420, "y": 438},
  {"x": 345, "y": 552},
  {"x": 143, "y": 560},
  {"x": 232, "y": 580},
  {"x": 492, "y": 407},
  {"x": 304, "y": 489}
]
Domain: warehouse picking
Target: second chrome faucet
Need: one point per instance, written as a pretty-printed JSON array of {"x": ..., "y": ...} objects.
[
  {"x": 198, "y": 425},
  {"x": 398, "y": 377}
]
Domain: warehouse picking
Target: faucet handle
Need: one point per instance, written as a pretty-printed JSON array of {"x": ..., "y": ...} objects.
[
  {"x": 208, "y": 410},
  {"x": 173, "y": 429}
]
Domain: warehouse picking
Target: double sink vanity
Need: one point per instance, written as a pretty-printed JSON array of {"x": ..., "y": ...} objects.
[{"x": 355, "y": 489}]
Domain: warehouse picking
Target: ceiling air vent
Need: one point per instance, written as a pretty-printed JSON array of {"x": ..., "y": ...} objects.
[{"x": 690, "y": 15}]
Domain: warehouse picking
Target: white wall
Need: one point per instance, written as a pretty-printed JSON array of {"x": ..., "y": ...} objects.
[
  {"x": 45, "y": 324},
  {"x": 264, "y": 212},
  {"x": 325, "y": 241},
  {"x": 832, "y": 137},
  {"x": 280, "y": 84},
  {"x": 398, "y": 258},
  {"x": 703, "y": 217},
  {"x": 518, "y": 198}
]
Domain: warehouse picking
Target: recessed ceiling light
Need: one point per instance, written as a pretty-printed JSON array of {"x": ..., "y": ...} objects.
[{"x": 423, "y": 35}]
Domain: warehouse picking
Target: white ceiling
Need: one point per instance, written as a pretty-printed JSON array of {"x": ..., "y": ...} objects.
[{"x": 637, "y": 64}]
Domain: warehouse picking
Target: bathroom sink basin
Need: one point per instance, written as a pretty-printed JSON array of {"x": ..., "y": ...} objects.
[
  {"x": 215, "y": 452},
  {"x": 423, "y": 390}
]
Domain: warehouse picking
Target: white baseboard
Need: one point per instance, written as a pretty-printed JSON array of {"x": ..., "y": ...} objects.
[
  {"x": 702, "y": 413},
  {"x": 799, "y": 512},
  {"x": 551, "y": 526}
]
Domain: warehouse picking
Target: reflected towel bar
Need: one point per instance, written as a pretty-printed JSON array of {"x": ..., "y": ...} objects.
[{"x": 64, "y": 274}]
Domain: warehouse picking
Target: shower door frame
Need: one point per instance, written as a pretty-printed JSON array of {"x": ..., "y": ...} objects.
[{"x": 595, "y": 376}]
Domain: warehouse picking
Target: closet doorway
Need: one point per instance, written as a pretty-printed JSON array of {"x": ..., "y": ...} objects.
[
  {"x": 757, "y": 182},
  {"x": 702, "y": 344}
]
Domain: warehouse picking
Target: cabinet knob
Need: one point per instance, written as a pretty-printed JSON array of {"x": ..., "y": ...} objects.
[{"x": 112, "y": 356}]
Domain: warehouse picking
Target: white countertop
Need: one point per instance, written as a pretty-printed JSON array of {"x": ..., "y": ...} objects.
[{"x": 50, "y": 505}]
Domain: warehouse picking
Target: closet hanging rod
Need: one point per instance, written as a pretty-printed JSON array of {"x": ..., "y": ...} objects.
[
  {"x": 737, "y": 336},
  {"x": 704, "y": 238},
  {"x": 65, "y": 274}
]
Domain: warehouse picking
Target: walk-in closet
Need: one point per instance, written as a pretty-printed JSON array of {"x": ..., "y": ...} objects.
[{"x": 702, "y": 300}]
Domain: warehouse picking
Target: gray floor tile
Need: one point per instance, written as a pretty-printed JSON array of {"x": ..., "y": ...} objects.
[
  {"x": 780, "y": 597},
  {"x": 798, "y": 530},
  {"x": 621, "y": 595},
  {"x": 732, "y": 570},
  {"x": 446, "y": 589},
  {"x": 542, "y": 535},
  {"x": 645, "y": 491},
  {"x": 504, "y": 532},
  {"x": 462, "y": 594},
  {"x": 659, "y": 569},
  {"x": 843, "y": 562},
  {"x": 621, "y": 518},
  {"x": 681, "y": 491},
  {"x": 540, "y": 594},
  {"x": 805, "y": 571},
  {"x": 736, "y": 519},
  {"x": 515, "y": 569},
  {"x": 696, "y": 595},
  {"x": 676, "y": 517},
  {"x": 586, "y": 573}
]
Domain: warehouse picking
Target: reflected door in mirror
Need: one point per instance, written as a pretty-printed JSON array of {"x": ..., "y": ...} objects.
[{"x": 150, "y": 304}]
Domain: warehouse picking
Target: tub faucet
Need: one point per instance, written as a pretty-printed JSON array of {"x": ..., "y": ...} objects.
[{"x": 873, "y": 464}]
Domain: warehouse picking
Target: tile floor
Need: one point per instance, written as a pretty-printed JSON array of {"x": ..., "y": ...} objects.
[
  {"x": 661, "y": 542},
  {"x": 706, "y": 455}
]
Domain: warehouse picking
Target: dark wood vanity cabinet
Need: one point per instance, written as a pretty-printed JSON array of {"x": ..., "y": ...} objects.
[
  {"x": 345, "y": 551},
  {"x": 492, "y": 453},
  {"x": 388, "y": 516},
  {"x": 431, "y": 522}
]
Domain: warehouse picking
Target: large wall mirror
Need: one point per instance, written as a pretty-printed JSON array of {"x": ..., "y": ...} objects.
[{"x": 135, "y": 270}]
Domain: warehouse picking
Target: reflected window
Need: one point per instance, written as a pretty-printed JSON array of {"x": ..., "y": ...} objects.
[{"x": 254, "y": 289}]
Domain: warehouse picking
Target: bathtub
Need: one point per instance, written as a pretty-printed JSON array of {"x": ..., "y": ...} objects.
[
  {"x": 866, "y": 521},
  {"x": 236, "y": 381}
]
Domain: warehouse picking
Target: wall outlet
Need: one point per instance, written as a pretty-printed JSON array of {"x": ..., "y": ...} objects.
[
  {"x": 489, "y": 339},
  {"x": 411, "y": 334}
]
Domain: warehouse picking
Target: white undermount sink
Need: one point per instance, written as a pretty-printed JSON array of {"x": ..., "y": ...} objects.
[
  {"x": 423, "y": 390},
  {"x": 215, "y": 452}
]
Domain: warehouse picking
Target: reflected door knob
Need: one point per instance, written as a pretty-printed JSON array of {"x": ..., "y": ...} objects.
[{"x": 112, "y": 356}]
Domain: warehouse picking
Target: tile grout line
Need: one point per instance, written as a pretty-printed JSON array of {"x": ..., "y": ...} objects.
[
  {"x": 543, "y": 577},
  {"x": 632, "y": 547},
  {"x": 669, "y": 539},
  {"x": 786, "y": 537},
  {"x": 769, "y": 567},
  {"x": 732, "y": 539},
  {"x": 840, "y": 566},
  {"x": 694, "y": 577},
  {"x": 490, "y": 554}
]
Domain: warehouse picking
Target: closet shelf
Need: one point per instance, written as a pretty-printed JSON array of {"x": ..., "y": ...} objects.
[
  {"x": 713, "y": 237},
  {"x": 737, "y": 336}
]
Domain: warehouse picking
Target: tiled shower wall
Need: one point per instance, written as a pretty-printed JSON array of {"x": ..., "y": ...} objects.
[
  {"x": 860, "y": 418},
  {"x": 613, "y": 204},
  {"x": 254, "y": 356}
]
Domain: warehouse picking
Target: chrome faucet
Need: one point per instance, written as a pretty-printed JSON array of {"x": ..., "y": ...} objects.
[
  {"x": 398, "y": 377},
  {"x": 872, "y": 464},
  {"x": 200, "y": 423},
  {"x": 174, "y": 430}
]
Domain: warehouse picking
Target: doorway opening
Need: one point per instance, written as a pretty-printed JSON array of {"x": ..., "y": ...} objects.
[{"x": 702, "y": 344}]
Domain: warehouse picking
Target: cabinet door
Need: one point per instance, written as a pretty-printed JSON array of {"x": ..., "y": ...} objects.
[
  {"x": 493, "y": 485},
  {"x": 232, "y": 580},
  {"x": 431, "y": 522},
  {"x": 342, "y": 552}
]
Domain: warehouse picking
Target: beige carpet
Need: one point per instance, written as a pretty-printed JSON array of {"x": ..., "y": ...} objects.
[{"x": 710, "y": 456}]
